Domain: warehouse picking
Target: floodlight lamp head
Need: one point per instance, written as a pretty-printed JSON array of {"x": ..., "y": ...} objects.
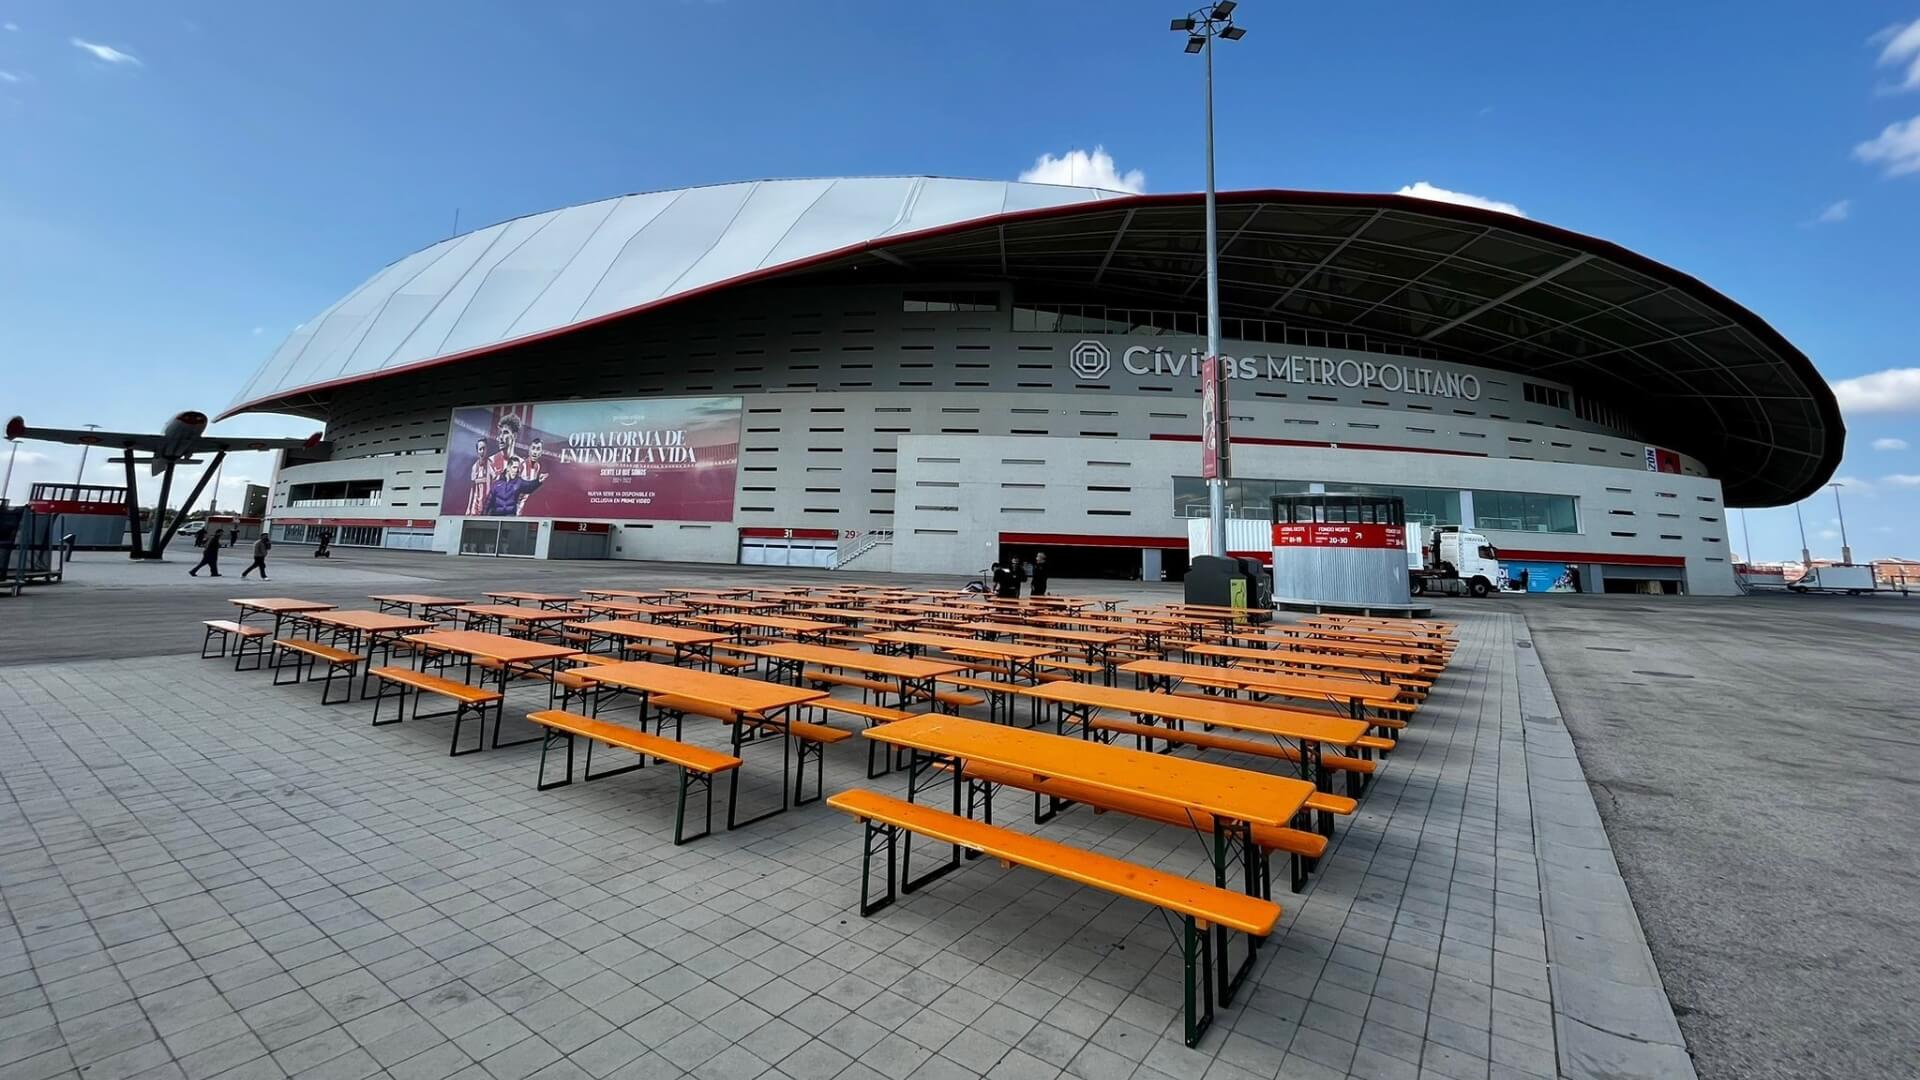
[
  {"x": 1196, "y": 43},
  {"x": 1185, "y": 25},
  {"x": 1233, "y": 33}
]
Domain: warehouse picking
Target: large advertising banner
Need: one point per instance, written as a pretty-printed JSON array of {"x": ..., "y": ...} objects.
[{"x": 668, "y": 459}]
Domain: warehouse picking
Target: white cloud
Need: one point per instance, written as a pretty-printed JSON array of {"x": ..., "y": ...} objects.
[
  {"x": 1897, "y": 148},
  {"x": 10, "y": 77},
  {"x": 1420, "y": 189},
  {"x": 10, "y": 28},
  {"x": 1889, "y": 444},
  {"x": 1828, "y": 534},
  {"x": 1902, "y": 49},
  {"x": 1853, "y": 485},
  {"x": 258, "y": 330},
  {"x": 1083, "y": 169},
  {"x": 1902, "y": 479},
  {"x": 1892, "y": 391},
  {"x": 1835, "y": 213},
  {"x": 106, "y": 53}
]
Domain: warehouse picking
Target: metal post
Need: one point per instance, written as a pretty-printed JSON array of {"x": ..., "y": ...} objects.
[
  {"x": 1846, "y": 552},
  {"x": 1746, "y": 538},
  {"x": 79, "y": 474},
  {"x": 1217, "y": 487},
  {"x": 6, "y": 487},
  {"x": 1806, "y": 557}
]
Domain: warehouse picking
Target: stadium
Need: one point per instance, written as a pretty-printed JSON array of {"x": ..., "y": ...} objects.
[{"x": 924, "y": 374}]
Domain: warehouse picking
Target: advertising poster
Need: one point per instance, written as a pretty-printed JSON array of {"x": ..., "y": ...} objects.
[
  {"x": 1538, "y": 577},
  {"x": 668, "y": 459}
]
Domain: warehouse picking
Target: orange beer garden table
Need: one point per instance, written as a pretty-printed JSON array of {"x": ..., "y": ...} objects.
[
  {"x": 1380, "y": 670},
  {"x": 916, "y": 677},
  {"x": 376, "y": 628},
  {"x": 800, "y": 629},
  {"x": 1236, "y": 798},
  {"x": 434, "y": 608},
  {"x": 686, "y": 641},
  {"x": 282, "y": 608},
  {"x": 1354, "y": 694},
  {"x": 1019, "y": 659},
  {"x": 526, "y": 619},
  {"x": 545, "y": 600},
  {"x": 768, "y": 704}
]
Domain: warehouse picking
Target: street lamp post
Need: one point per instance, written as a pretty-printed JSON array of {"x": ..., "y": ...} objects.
[
  {"x": 79, "y": 474},
  {"x": 1846, "y": 552},
  {"x": 1202, "y": 27},
  {"x": 1806, "y": 557}
]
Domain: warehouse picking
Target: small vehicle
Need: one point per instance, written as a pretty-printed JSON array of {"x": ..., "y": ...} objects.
[
  {"x": 1456, "y": 561},
  {"x": 1852, "y": 580}
]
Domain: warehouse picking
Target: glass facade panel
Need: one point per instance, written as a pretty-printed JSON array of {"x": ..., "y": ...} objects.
[
  {"x": 1521, "y": 511},
  {"x": 1425, "y": 506}
]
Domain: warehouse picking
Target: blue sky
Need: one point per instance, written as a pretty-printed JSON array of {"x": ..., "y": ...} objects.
[{"x": 183, "y": 183}]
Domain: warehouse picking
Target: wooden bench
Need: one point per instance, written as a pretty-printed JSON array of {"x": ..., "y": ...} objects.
[
  {"x": 226, "y": 629},
  {"x": 468, "y": 700},
  {"x": 698, "y": 765},
  {"x": 824, "y": 679},
  {"x": 1200, "y": 906},
  {"x": 997, "y": 694},
  {"x": 873, "y": 715},
  {"x": 1392, "y": 724},
  {"x": 813, "y": 739},
  {"x": 306, "y": 655},
  {"x": 1144, "y": 734},
  {"x": 1302, "y": 847}
]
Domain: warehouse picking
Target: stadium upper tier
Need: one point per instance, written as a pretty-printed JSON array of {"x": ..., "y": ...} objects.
[{"x": 1699, "y": 372}]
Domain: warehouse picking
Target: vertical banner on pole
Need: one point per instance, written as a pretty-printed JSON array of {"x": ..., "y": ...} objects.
[{"x": 1213, "y": 449}]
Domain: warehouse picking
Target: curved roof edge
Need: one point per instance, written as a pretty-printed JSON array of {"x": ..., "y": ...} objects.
[{"x": 1104, "y": 201}]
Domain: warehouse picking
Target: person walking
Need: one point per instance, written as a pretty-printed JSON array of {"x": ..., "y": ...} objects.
[
  {"x": 1039, "y": 574},
  {"x": 209, "y": 558},
  {"x": 260, "y": 549},
  {"x": 1006, "y": 582}
]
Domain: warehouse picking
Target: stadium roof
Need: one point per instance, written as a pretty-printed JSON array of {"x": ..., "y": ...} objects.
[{"x": 1696, "y": 371}]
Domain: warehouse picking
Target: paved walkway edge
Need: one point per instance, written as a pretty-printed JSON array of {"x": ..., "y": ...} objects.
[{"x": 1611, "y": 1015}]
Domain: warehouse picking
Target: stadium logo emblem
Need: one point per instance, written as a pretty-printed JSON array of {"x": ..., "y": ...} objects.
[{"x": 1091, "y": 359}]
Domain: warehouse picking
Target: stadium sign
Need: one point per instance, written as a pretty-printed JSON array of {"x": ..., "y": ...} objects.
[{"x": 1092, "y": 359}]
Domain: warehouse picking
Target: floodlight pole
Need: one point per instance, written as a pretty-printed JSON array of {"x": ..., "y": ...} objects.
[
  {"x": 1806, "y": 557},
  {"x": 79, "y": 474},
  {"x": 6, "y": 486},
  {"x": 1205, "y": 26},
  {"x": 1846, "y": 552}
]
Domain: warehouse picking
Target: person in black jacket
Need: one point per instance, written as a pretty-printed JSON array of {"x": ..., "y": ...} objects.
[
  {"x": 209, "y": 557},
  {"x": 1006, "y": 582},
  {"x": 1039, "y": 575}
]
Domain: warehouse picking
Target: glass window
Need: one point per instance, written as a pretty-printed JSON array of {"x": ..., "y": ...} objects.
[
  {"x": 1523, "y": 511},
  {"x": 1425, "y": 506}
]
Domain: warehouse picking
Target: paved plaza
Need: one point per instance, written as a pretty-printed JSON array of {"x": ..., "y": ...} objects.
[{"x": 204, "y": 876}]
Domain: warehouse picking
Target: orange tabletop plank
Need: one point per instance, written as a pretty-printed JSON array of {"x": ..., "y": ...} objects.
[
  {"x": 514, "y": 614},
  {"x": 1316, "y": 645},
  {"x": 613, "y": 607},
  {"x": 650, "y": 631},
  {"x": 776, "y": 622},
  {"x": 899, "y": 667},
  {"x": 281, "y": 605},
  {"x": 726, "y": 691},
  {"x": 959, "y": 646},
  {"x": 1435, "y": 646},
  {"x": 1230, "y": 793},
  {"x": 630, "y": 594},
  {"x": 1267, "y": 682},
  {"x": 418, "y": 599},
  {"x": 1299, "y": 658},
  {"x": 370, "y": 621},
  {"x": 507, "y": 650},
  {"x": 1223, "y": 712},
  {"x": 1045, "y": 633},
  {"x": 530, "y": 597}
]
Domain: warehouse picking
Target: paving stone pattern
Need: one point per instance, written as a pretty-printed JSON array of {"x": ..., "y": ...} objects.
[{"x": 205, "y": 876}]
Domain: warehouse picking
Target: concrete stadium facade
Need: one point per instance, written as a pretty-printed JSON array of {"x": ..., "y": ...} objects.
[{"x": 930, "y": 373}]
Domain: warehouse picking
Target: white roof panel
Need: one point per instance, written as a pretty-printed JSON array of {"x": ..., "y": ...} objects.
[{"x": 542, "y": 273}]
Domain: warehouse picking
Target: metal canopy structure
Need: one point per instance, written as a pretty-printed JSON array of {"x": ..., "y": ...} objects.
[{"x": 1694, "y": 370}]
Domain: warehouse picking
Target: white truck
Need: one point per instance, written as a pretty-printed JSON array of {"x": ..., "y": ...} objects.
[
  {"x": 1451, "y": 560},
  {"x": 1852, "y": 580}
]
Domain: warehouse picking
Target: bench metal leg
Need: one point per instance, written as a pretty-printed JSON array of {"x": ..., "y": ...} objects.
[
  {"x": 733, "y": 784},
  {"x": 589, "y": 774},
  {"x": 909, "y": 883},
  {"x": 460, "y": 717},
  {"x": 208, "y": 640},
  {"x": 500, "y": 718},
  {"x": 817, "y": 751},
  {"x": 874, "y": 830},
  {"x": 689, "y": 778},
  {"x": 381, "y": 695},
  {"x": 334, "y": 670},
  {"x": 540, "y": 781},
  {"x": 1199, "y": 983},
  {"x": 259, "y": 652}
]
